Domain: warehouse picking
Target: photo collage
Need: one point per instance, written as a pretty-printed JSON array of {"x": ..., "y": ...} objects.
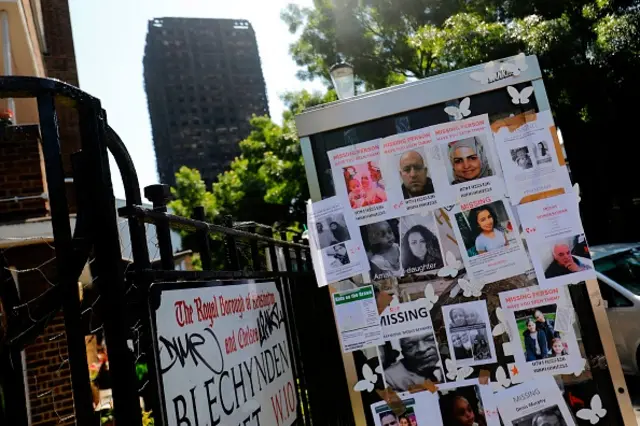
[{"x": 444, "y": 212}]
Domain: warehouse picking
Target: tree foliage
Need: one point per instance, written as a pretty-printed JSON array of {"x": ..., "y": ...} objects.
[
  {"x": 587, "y": 49},
  {"x": 266, "y": 183}
]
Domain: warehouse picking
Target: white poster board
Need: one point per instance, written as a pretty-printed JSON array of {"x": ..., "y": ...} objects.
[{"x": 222, "y": 354}]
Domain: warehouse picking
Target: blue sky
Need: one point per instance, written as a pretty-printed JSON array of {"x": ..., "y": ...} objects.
[{"x": 109, "y": 38}]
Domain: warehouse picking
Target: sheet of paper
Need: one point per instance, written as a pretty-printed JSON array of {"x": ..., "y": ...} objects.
[
  {"x": 556, "y": 241},
  {"x": 463, "y": 161},
  {"x": 359, "y": 181},
  {"x": 534, "y": 402},
  {"x": 408, "y": 174},
  {"x": 335, "y": 242},
  {"x": 489, "y": 240},
  {"x": 531, "y": 157},
  {"x": 476, "y": 400},
  {"x": 541, "y": 331},
  {"x": 357, "y": 318},
  {"x": 410, "y": 351},
  {"x": 469, "y": 333},
  {"x": 420, "y": 409}
]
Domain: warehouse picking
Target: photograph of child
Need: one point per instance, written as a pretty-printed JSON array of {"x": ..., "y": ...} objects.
[
  {"x": 462, "y": 406},
  {"x": 486, "y": 228},
  {"x": 383, "y": 251},
  {"x": 332, "y": 230},
  {"x": 420, "y": 247},
  {"x": 566, "y": 256},
  {"x": 468, "y": 160},
  {"x": 468, "y": 330},
  {"x": 538, "y": 338},
  {"x": 521, "y": 157},
  {"x": 550, "y": 416},
  {"x": 365, "y": 186},
  {"x": 337, "y": 255}
]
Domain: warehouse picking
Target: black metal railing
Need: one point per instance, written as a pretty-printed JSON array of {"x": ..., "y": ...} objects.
[{"x": 122, "y": 290}]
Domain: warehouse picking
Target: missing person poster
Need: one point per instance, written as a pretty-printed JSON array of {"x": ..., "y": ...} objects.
[
  {"x": 464, "y": 160},
  {"x": 420, "y": 408},
  {"x": 467, "y": 402},
  {"x": 222, "y": 354},
  {"x": 534, "y": 403},
  {"x": 357, "y": 318},
  {"x": 556, "y": 241},
  {"x": 469, "y": 333},
  {"x": 408, "y": 175},
  {"x": 491, "y": 246},
  {"x": 410, "y": 352},
  {"x": 359, "y": 180},
  {"x": 338, "y": 251},
  {"x": 540, "y": 323},
  {"x": 531, "y": 155}
]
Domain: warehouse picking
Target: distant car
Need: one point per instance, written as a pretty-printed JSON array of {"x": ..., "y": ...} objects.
[{"x": 618, "y": 270}]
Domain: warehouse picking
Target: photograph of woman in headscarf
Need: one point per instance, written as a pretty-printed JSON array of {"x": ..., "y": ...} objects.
[
  {"x": 419, "y": 246},
  {"x": 468, "y": 160}
]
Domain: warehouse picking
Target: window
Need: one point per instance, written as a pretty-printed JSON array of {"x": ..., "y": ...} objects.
[
  {"x": 623, "y": 268},
  {"x": 613, "y": 298}
]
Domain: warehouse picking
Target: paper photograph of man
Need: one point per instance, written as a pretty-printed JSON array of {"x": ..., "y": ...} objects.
[
  {"x": 337, "y": 256},
  {"x": 550, "y": 416},
  {"x": 410, "y": 361},
  {"x": 469, "y": 333},
  {"x": 415, "y": 175},
  {"x": 568, "y": 256}
]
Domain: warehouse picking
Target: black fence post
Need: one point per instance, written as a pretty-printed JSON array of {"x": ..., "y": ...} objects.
[
  {"x": 64, "y": 259},
  {"x": 203, "y": 240},
  {"x": 255, "y": 250},
  {"x": 159, "y": 195},
  {"x": 231, "y": 247}
]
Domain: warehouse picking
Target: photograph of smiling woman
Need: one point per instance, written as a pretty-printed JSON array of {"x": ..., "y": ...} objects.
[{"x": 468, "y": 160}]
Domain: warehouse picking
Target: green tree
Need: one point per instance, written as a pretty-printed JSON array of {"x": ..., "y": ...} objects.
[
  {"x": 266, "y": 183},
  {"x": 588, "y": 51}
]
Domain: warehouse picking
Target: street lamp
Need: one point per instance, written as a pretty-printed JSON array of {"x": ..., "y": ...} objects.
[{"x": 343, "y": 80}]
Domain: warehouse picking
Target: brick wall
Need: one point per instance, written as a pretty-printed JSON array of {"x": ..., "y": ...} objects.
[{"x": 21, "y": 173}]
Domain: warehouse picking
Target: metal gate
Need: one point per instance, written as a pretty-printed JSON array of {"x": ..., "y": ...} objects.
[{"x": 122, "y": 291}]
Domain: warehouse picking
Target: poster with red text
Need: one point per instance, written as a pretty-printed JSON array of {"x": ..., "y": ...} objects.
[
  {"x": 531, "y": 156},
  {"x": 489, "y": 240},
  {"x": 464, "y": 161},
  {"x": 222, "y": 354},
  {"x": 556, "y": 240},
  {"x": 360, "y": 182},
  {"x": 408, "y": 174},
  {"x": 541, "y": 333}
]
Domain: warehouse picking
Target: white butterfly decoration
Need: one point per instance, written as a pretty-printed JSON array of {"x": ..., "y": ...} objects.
[
  {"x": 483, "y": 77},
  {"x": 370, "y": 378},
  {"x": 518, "y": 65},
  {"x": 452, "y": 266},
  {"x": 430, "y": 296},
  {"x": 501, "y": 328},
  {"x": 502, "y": 381},
  {"x": 455, "y": 373},
  {"x": 576, "y": 190},
  {"x": 470, "y": 289},
  {"x": 595, "y": 413},
  {"x": 461, "y": 111},
  {"x": 521, "y": 97}
]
